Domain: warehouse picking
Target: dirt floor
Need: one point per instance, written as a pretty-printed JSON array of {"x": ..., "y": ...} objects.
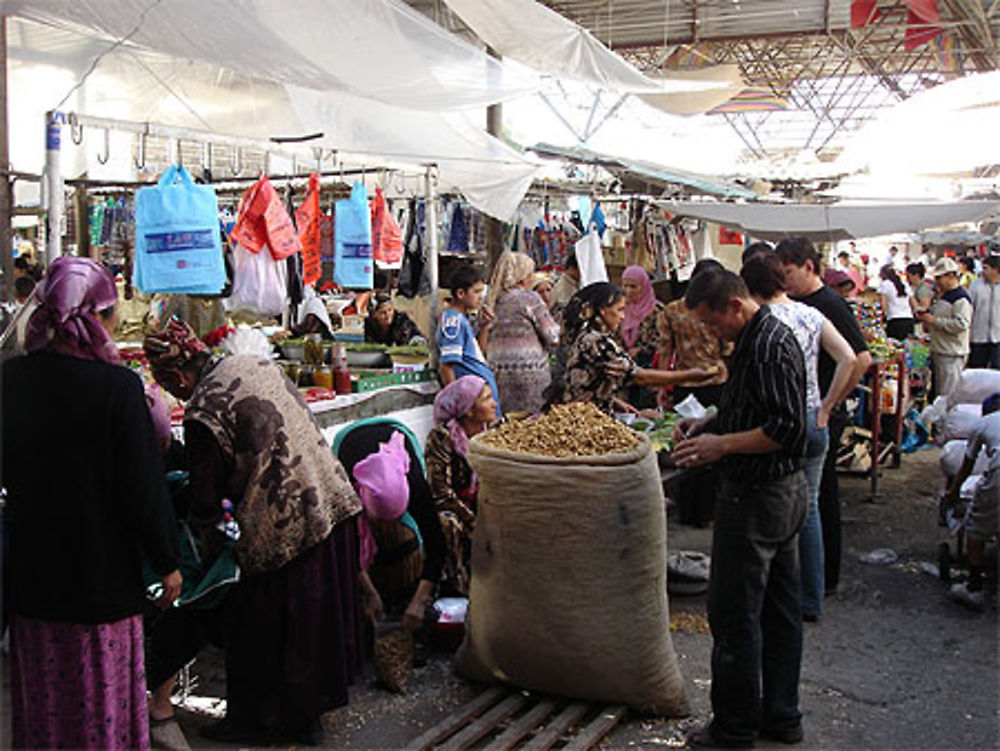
[{"x": 891, "y": 664}]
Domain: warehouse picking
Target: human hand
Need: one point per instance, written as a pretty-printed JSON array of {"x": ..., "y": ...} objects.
[
  {"x": 373, "y": 608},
  {"x": 620, "y": 405},
  {"x": 699, "y": 451},
  {"x": 486, "y": 316},
  {"x": 650, "y": 414},
  {"x": 687, "y": 427},
  {"x": 700, "y": 374},
  {"x": 413, "y": 616},
  {"x": 277, "y": 336},
  {"x": 171, "y": 589},
  {"x": 823, "y": 415}
]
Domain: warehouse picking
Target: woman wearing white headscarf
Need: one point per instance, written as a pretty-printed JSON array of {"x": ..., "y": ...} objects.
[{"x": 523, "y": 332}]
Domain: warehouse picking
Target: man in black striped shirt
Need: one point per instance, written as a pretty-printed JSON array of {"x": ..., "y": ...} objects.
[{"x": 758, "y": 441}]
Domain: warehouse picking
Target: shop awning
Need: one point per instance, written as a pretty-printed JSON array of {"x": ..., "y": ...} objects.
[
  {"x": 656, "y": 173},
  {"x": 837, "y": 221}
]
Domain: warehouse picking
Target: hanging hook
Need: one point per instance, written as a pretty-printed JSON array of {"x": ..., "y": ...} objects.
[
  {"x": 206, "y": 156},
  {"x": 400, "y": 187},
  {"x": 236, "y": 162},
  {"x": 75, "y": 129},
  {"x": 140, "y": 152},
  {"x": 103, "y": 158},
  {"x": 318, "y": 155}
]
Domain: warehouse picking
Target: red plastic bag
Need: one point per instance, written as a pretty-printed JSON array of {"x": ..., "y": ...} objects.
[
  {"x": 387, "y": 238},
  {"x": 307, "y": 217},
  {"x": 262, "y": 220}
]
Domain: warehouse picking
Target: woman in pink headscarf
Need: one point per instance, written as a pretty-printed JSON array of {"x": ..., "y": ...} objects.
[
  {"x": 640, "y": 329},
  {"x": 464, "y": 408},
  {"x": 402, "y": 548},
  {"x": 81, "y": 521}
]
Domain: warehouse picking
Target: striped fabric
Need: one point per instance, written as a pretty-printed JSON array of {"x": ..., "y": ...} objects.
[{"x": 752, "y": 99}]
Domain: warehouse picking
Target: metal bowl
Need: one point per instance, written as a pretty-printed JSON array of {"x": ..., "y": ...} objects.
[{"x": 368, "y": 359}]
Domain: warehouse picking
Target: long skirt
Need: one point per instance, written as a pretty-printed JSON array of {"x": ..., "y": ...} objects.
[
  {"x": 293, "y": 645},
  {"x": 78, "y": 685}
]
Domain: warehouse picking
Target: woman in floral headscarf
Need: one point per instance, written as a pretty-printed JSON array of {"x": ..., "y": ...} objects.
[
  {"x": 78, "y": 534},
  {"x": 523, "y": 332},
  {"x": 598, "y": 367},
  {"x": 463, "y": 409},
  {"x": 295, "y": 620}
]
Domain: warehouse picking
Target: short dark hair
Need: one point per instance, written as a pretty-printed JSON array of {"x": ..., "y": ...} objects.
[
  {"x": 917, "y": 269},
  {"x": 991, "y": 403},
  {"x": 969, "y": 263},
  {"x": 992, "y": 261},
  {"x": 763, "y": 275},
  {"x": 571, "y": 262},
  {"x": 464, "y": 277},
  {"x": 843, "y": 253},
  {"x": 23, "y": 286},
  {"x": 715, "y": 289},
  {"x": 798, "y": 250},
  {"x": 754, "y": 248},
  {"x": 706, "y": 264}
]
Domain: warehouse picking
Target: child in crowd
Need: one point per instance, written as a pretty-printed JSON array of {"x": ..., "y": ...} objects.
[{"x": 462, "y": 351}]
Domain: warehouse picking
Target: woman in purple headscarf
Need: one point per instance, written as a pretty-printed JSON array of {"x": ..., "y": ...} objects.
[
  {"x": 82, "y": 515},
  {"x": 462, "y": 409},
  {"x": 640, "y": 332}
]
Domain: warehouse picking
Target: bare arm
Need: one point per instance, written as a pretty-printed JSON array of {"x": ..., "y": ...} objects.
[
  {"x": 651, "y": 377},
  {"x": 447, "y": 372},
  {"x": 835, "y": 345},
  {"x": 862, "y": 361}
]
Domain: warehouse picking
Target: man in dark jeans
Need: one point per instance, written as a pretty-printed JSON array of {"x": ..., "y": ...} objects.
[
  {"x": 758, "y": 442},
  {"x": 803, "y": 282}
]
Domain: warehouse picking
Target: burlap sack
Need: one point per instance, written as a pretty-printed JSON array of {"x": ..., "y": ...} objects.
[{"x": 569, "y": 591}]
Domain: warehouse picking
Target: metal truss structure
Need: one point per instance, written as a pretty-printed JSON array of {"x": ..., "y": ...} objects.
[{"x": 834, "y": 78}]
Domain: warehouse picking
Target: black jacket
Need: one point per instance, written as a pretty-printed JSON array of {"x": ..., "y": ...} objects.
[{"x": 86, "y": 491}]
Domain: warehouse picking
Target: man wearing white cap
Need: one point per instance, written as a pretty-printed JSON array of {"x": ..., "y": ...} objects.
[{"x": 948, "y": 322}]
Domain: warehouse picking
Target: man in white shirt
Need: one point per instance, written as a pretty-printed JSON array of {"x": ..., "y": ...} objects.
[{"x": 985, "y": 293}]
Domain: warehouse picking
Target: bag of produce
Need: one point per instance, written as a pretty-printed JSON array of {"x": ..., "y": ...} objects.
[
  {"x": 975, "y": 385},
  {"x": 960, "y": 421},
  {"x": 953, "y": 454},
  {"x": 568, "y": 594}
]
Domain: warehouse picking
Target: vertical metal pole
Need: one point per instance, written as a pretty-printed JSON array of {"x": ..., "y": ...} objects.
[
  {"x": 430, "y": 178},
  {"x": 494, "y": 227},
  {"x": 53, "y": 186},
  {"x": 6, "y": 202}
]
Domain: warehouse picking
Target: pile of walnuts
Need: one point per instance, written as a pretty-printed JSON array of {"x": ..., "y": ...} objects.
[{"x": 576, "y": 429}]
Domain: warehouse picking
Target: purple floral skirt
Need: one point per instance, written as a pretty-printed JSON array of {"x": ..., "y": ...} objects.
[{"x": 78, "y": 685}]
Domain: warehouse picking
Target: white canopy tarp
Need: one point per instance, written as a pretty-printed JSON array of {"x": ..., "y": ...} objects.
[
  {"x": 838, "y": 221},
  {"x": 381, "y": 49},
  {"x": 142, "y": 86},
  {"x": 727, "y": 82},
  {"x": 541, "y": 38}
]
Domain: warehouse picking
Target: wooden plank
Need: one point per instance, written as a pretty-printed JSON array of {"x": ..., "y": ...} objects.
[
  {"x": 524, "y": 725},
  {"x": 597, "y": 729},
  {"x": 482, "y": 727},
  {"x": 554, "y": 730},
  {"x": 456, "y": 719}
]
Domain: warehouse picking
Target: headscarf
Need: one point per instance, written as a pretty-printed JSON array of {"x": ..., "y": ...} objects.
[
  {"x": 511, "y": 270},
  {"x": 382, "y": 488},
  {"x": 159, "y": 413},
  {"x": 312, "y": 303},
  {"x": 174, "y": 347},
  {"x": 636, "y": 312},
  {"x": 540, "y": 278},
  {"x": 584, "y": 309},
  {"x": 453, "y": 402},
  {"x": 68, "y": 299}
]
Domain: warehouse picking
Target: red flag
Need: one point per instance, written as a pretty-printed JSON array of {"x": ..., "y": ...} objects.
[{"x": 307, "y": 218}]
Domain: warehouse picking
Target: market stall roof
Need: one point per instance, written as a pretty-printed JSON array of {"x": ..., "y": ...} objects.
[
  {"x": 647, "y": 171},
  {"x": 837, "y": 221},
  {"x": 816, "y": 70}
]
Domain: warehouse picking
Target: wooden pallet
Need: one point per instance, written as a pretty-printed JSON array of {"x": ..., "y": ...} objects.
[{"x": 502, "y": 719}]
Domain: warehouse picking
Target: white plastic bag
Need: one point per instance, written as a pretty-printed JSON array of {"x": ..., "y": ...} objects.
[
  {"x": 260, "y": 283},
  {"x": 953, "y": 454},
  {"x": 960, "y": 421},
  {"x": 590, "y": 259},
  {"x": 247, "y": 341},
  {"x": 974, "y": 386}
]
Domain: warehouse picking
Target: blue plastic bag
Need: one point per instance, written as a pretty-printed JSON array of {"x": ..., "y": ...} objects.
[
  {"x": 354, "y": 265},
  {"x": 178, "y": 248}
]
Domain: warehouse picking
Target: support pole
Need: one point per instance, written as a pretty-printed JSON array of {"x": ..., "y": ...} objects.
[
  {"x": 54, "y": 198},
  {"x": 430, "y": 179},
  {"x": 494, "y": 227},
  {"x": 6, "y": 200}
]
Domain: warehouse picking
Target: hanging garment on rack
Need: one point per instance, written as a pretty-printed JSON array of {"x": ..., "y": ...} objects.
[
  {"x": 458, "y": 235},
  {"x": 387, "y": 237},
  {"x": 590, "y": 258},
  {"x": 353, "y": 241},
  {"x": 307, "y": 220},
  {"x": 413, "y": 280},
  {"x": 178, "y": 246},
  {"x": 260, "y": 284},
  {"x": 96, "y": 222},
  {"x": 598, "y": 221},
  {"x": 263, "y": 220}
]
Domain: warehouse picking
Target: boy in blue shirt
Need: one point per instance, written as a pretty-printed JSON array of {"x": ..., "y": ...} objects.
[{"x": 461, "y": 351}]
